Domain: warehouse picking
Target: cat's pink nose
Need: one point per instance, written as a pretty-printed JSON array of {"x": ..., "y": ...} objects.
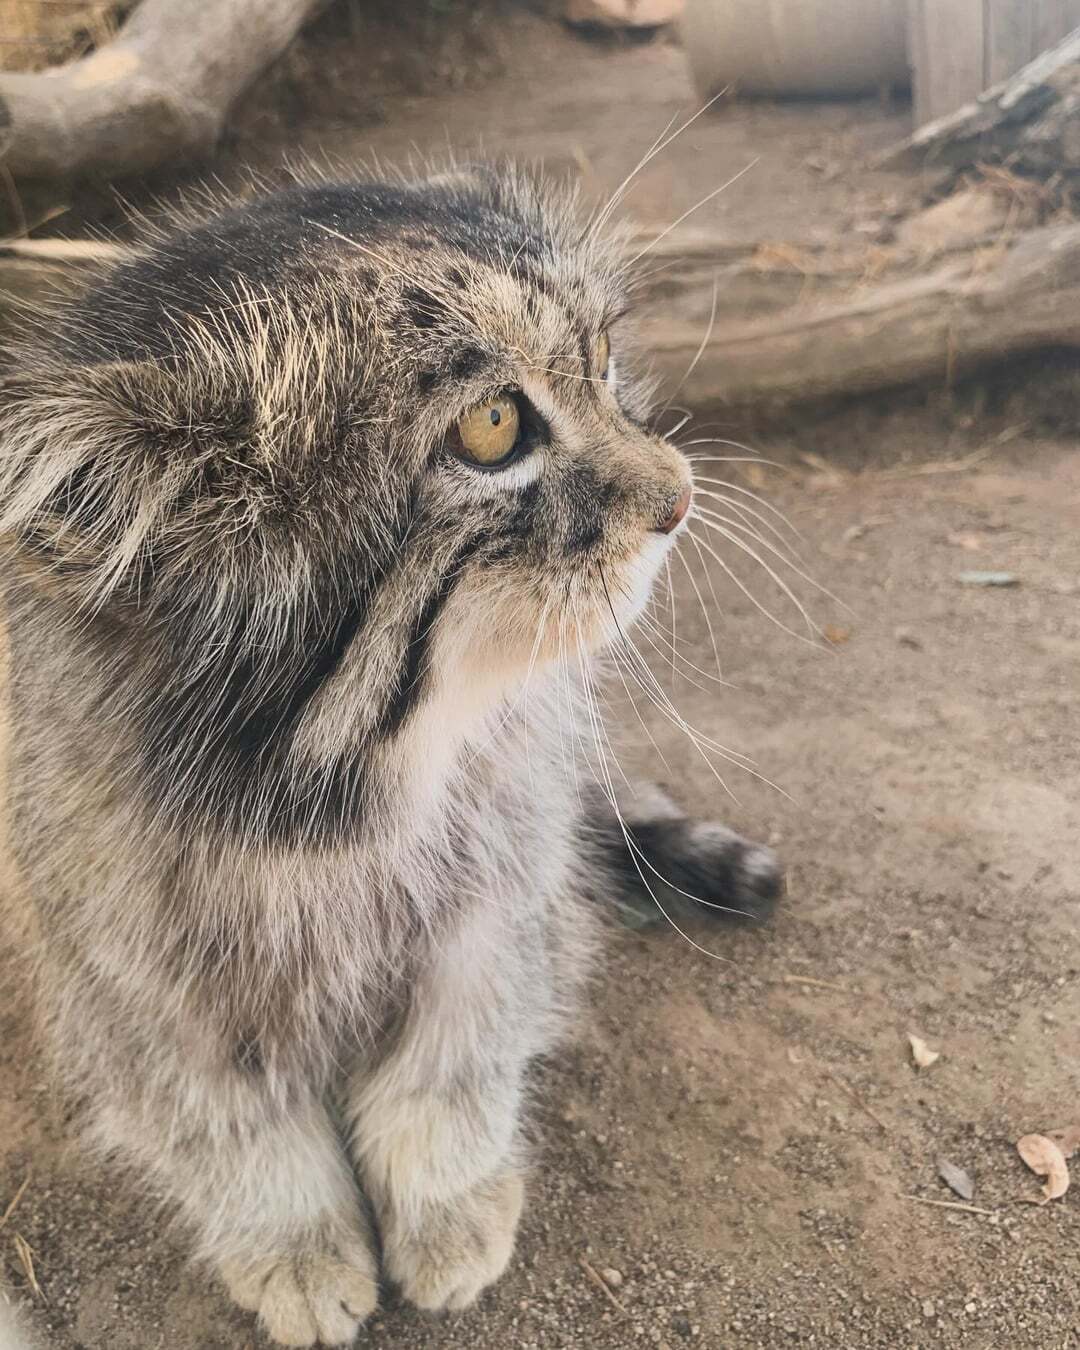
[{"x": 678, "y": 514}]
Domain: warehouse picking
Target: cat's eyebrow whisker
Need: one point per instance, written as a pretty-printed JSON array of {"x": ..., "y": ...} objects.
[
  {"x": 697, "y": 355},
  {"x": 657, "y": 148},
  {"x": 696, "y": 207},
  {"x": 601, "y": 214}
]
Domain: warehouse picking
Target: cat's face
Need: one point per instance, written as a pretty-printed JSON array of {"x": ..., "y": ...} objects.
[
  {"x": 343, "y": 444},
  {"x": 522, "y": 434}
]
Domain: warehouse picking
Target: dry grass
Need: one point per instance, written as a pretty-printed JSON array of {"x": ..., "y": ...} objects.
[{"x": 35, "y": 34}]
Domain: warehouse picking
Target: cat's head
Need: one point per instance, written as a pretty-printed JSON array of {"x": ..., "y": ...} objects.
[{"x": 363, "y": 438}]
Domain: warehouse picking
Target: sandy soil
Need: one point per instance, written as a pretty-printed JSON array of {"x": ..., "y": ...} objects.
[{"x": 741, "y": 1136}]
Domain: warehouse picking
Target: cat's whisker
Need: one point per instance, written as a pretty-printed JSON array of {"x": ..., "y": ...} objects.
[
  {"x": 657, "y": 148},
  {"x": 745, "y": 527},
  {"x": 697, "y": 355},
  {"x": 637, "y": 854},
  {"x": 705, "y": 612},
  {"x": 669, "y": 653},
  {"x": 722, "y": 524},
  {"x": 750, "y": 518},
  {"x": 746, "y": 492},
  {"x": 651, "y": 628},
  {"x": 652, "y": 688},
  {"x": 712, "y": 588},
  {"x": 671, "y": 601},
  {"x": 762, "y": 609},
  {"x": 709, "y": 196},
  {"x": 678, "y": 425}
]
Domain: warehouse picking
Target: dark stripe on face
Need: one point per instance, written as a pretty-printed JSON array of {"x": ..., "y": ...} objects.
[
  {"x": 218, "y": 742},
  {"x": 589, "y": 500},
  {"x": 409, "y": 683}
]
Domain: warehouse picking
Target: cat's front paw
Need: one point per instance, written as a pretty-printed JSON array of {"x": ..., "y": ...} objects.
[
  {"x": 315, "y": 1295},
  {"x": 448, "y": 1257},
  {"x": 686, "y": 867},
  {"x": 732, "y": 873}
]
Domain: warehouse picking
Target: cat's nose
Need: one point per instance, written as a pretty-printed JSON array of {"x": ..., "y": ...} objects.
[{"x": 677, "y": 514}]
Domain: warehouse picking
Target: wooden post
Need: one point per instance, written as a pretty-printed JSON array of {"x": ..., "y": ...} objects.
[{"x": 961, "y": 47}]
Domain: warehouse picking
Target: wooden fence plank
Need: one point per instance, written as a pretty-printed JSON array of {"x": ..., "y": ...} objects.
[{"x": 951, "y": 70}]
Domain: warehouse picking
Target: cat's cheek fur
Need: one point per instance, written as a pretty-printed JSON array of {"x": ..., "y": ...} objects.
[{"x": 640, "y": 576}]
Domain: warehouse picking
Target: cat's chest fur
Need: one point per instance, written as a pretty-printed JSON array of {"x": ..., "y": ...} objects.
[{"x": 317, "y": 951}]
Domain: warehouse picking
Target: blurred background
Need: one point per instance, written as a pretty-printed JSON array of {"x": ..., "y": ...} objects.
[{"x": 854, "y": 224}]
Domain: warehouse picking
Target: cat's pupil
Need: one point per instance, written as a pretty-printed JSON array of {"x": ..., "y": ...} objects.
[{"x": 496, "y": 417}]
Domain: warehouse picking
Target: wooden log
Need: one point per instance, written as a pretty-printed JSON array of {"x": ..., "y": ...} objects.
[
  {"x": 159, "y": 92},
  {"x": 974, "y": 310}
]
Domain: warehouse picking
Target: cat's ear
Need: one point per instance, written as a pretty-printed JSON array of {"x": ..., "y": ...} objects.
[{"x": 96, "y": 460}]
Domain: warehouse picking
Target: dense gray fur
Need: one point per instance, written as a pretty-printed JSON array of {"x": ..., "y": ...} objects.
[{"x": 297, "y": 702}]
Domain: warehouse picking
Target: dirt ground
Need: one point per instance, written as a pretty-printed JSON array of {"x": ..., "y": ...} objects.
[{"x": 744, "y": 1138}]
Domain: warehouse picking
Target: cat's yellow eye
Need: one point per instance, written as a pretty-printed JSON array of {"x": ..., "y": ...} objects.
[
  {"x": 489, "y": 432},
  {"x": 603, "y": 356}
]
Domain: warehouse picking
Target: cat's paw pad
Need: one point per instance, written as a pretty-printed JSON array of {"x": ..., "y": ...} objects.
[
  {"x": 320, "y": 1296},
  {"x": 447, "y": 1259}
]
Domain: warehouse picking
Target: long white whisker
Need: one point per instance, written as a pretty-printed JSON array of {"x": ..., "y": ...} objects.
[
  {"x": 724, "y": 524},
  {"x": 745, "y": 492},
  {"x": 697, "y": 356},
  {"x": 799, "y": 637},
  {"x": 657, "y": 148},
  {"x": 696, "y": 207}
]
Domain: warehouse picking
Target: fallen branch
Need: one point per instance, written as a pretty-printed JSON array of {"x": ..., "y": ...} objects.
[
  {"x": 159, "y": 92},
  {"x": 1024, "y": 113}
]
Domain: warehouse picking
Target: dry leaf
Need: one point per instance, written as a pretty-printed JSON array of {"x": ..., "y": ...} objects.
[
  {"x": 1067, "y": 1139},
  {"x": 921, "y": 1052},
  {"x": 956, "y": 1179},
  {"x": 1045, "y": 1159},
  {"x": 835, "y": 635}
]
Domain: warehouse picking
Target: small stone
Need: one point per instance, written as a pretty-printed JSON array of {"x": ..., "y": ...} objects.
[
  {"x": 988, "y": 579},
  {"x": 928, "y": 1308},
  {"x": 971, "y": 1307},
  {"x": 907, "y": 638},
  {"x": 612, "y": 1276}
]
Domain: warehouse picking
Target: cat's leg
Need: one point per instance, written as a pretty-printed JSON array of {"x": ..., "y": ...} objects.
[
  {"x": 252, "y": 1162},
  {"x": 671, "y": 863},
  {"x": 435, "y": 1127}
]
